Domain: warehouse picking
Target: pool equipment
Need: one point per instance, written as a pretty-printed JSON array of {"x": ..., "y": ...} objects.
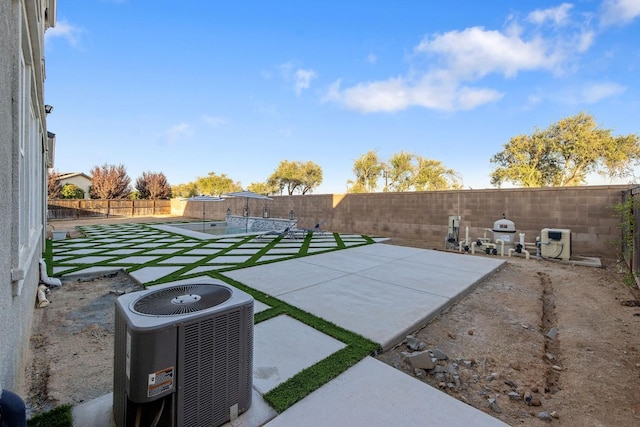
[{"x": 555, "y": 243}]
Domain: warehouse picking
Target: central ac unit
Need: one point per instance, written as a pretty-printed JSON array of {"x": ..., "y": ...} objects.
[
  {"x": 555, "y": 243},
  {"x": 183, "y": 355}
]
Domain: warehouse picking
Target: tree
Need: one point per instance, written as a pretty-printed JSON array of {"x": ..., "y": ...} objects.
[
  {"x": 153, "y": 185},
  {"x": 367, "y": 169},
  {"x": 110, "y": 182},
  {"x": 564, "y": 154},
  {"x": 264, "y": 188},
  {"x": 185, "y": 190},
  {"x": 298, "y": 176},
  {"x": 71, "y": 191},
  {"x": 432, "y": 175},
  {"x": 54, "y": 186},
  {"x": 399, "y": 172},
  {"x": 403, "y": 172},
  {"x": 216, "y": 185}
]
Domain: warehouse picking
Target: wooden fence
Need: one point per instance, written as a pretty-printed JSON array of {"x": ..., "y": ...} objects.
[{"x": 93, "y": 208}]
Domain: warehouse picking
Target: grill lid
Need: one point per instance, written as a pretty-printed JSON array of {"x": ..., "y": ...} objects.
[{"x": 181, "y": 299}]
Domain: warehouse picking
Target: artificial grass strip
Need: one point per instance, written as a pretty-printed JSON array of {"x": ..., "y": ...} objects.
[
  {"x": 312, "y": 378},
  {"x": 57, "y": 417},
  {"x": 339, "y": 241},
  {"x": 122, "y": 233},
  {"x": 47, "y": 256},
  {"x": 317, "y": 375},
  {"x": 279, "y": 307}
]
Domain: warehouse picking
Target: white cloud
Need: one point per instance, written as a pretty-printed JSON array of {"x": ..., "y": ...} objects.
[
  {"x": 177, "y": 132},
  {"x": 469, "y": 98},
  {"x": 372, "y": 58},
  {"x": 214, "y": 121},
  {"x": 432, "y": 91},
  {"x": 65, "y": 30},
  {"x": 299, "y": 77},
  {"x": 476, "y": 52},
  {"x": 461, "y": 58},
  {"x": 303, "y": 79},
  {"x": 387, "y": 95},
  {"x": 584, "y": 40},
  {"x": 458, "y": 61},
  {"x": 558, "y": 15},
  {"x": 597, "y": 91},
  {"x": 619, "y": 12}
]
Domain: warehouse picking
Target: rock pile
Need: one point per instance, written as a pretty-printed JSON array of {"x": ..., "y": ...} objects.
[{"x": 456, "y": 374}]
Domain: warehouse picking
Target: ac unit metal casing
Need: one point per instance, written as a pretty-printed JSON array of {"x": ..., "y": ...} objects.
[
  {"x": 190, "y": 344},
  {"x": 555, "y": 243}
]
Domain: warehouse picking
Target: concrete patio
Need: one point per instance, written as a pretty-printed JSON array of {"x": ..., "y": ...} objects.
[{"x": 382, "y": 292}]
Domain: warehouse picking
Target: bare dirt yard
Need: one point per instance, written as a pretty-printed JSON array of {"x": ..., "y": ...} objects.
[
  {"x": 535, "y": 338},
  {"x": 72, "y": 341},
  {"x": 538, "y": 343}
]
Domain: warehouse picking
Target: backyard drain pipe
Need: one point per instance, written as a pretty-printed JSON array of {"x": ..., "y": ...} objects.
[{"x": 44, "y": 278}]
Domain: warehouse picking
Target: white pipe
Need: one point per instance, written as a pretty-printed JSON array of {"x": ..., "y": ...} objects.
[
  {"x": 522, "y": 239},
  {"x": 523, "y": 251},
  {"x": 44, "y": 278},
  {"x": 42, "y": 296},
  {"x": 473, "y": 248},
  {"x": 466, "y": 234},
  {"x": 501, "y": 242}
]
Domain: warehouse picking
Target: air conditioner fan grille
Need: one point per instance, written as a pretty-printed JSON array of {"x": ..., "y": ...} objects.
[{"x": 181, "y": 299}]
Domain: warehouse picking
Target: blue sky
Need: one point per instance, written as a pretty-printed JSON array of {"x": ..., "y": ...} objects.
[{"x": 191, "y": 87}]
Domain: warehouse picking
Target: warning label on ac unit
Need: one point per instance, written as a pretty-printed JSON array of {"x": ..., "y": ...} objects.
[{"x": 160, "y": 382}]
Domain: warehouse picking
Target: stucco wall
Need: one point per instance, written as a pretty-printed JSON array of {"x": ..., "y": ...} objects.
[
  {"x": 16, "y": 311},
  {"x": 12, "y": 313},
  {"x": 587, "y": 211}
]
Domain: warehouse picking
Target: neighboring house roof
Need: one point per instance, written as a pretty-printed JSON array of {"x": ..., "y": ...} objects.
[{"x": 73, "y": 175}]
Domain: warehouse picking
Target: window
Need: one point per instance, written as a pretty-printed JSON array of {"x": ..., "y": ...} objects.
[{"x": 29, "y": 169}]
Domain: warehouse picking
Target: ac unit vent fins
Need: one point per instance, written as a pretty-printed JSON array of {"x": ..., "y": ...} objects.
[{"x": 181, "y": 299}]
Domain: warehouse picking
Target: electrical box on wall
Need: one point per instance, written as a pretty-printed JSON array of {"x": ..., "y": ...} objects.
[{"x": 555, "y": 243}]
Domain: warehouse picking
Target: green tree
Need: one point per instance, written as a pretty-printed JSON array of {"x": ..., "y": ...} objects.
[
  {"x": 432, "y": 175},
  {"x": 184, "y": 190},
  {"x": 564, "y": 154},
  {"x": 110, "y": 182},
  {"x": 263, "y": 188},
  {"x": 153, "y": 185},
  {"x": 403, "y": 172},
  {"x": 399, "y": 172},
  {"x": 298, "y": 176},
  {"x": 367, "y": 169},
  {"x": 71, "y": 191},
  {"x": 215, "y": 185}
]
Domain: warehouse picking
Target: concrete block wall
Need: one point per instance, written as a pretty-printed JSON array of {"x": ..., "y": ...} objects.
[{"x": 587, "y": 211}]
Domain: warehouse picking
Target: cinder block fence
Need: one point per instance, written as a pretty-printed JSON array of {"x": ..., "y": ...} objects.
[{"x": 587, "y": 211}]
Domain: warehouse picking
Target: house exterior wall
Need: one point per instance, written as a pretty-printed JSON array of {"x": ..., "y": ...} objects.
[{"x": 22, "y": 177}]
